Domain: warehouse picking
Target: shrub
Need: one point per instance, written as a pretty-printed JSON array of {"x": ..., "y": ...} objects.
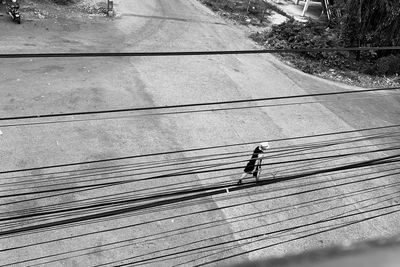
[
  {"x": 255, "y": 8},
  {"x": 355, "y": 23},
  {"x": 296, "y": 35},
  {"x": 388, "y": 65},
  {"x": 64, "y": 2}
]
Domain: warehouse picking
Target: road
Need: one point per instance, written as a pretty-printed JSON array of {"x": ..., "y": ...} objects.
[{"x": 253, "y": 222}]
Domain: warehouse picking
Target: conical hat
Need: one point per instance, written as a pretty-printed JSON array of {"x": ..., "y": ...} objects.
[{"x": 264, "y": 146}]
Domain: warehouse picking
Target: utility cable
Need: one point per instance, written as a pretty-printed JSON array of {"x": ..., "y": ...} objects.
[
  {"x": 306, "y": 150},
  {"x": 377, "y": 161},
  {"x": 193, "y": 53},
  {"x": 183, "y": 112},
  {"x": 116, "y": 201},
  {"x": 198, "y": 149},
  {"x": 304, "y": 236},
  {"x": 183, "y": 173},
  {"x": 190, "y": 170},
  {"x": 262, "y": 235},
  {"x": 81, "y": 113},
  {"x": 291, "y": 150},
  {"x": 195, "y": 228},
  {"x": 360, "y": 191}
]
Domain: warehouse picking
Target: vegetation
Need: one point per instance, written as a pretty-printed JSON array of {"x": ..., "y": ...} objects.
[
  {"x": 355, "y": 23},
  {"x": 297, "y": 35},
  {"x": 241, "y": 10},
  {"x": 368, "y": 22},
  {"x": 64, "y": 2},
  {"x": 372, "y": 23}
]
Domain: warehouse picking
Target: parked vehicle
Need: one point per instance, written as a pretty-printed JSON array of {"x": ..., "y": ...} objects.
[{"x": 13, "y": 11}]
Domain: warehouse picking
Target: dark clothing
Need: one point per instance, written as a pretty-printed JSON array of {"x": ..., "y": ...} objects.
[{"x": 251, "y": 166}]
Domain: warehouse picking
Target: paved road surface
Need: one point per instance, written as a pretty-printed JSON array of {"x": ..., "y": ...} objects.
[{"x": 250, "y": 223}]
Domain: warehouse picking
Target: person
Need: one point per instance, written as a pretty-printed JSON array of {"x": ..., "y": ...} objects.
[{"x": 254, "y": 165}]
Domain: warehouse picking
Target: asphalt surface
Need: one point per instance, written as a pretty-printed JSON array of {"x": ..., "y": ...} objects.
[{"x": 282, "y": 216}]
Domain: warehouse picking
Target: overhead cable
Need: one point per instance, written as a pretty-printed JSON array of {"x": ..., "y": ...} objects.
[
  {"x": 290, "y": 150},
  {"x": 196, "y": 149},
  {"x": 203, "y": 194},
  {"x": 81, "y": 113},
  {"x": 193, "y": 111},
  {"x": 192, "y": 53},
  {"x": 217, "y": 209},
  {"x": 182, "y": 173}
]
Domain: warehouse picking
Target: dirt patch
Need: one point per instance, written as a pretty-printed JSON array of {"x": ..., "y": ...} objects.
[
  {"x": 49, "y": 27},
  {"x": 47, "y": 9}
]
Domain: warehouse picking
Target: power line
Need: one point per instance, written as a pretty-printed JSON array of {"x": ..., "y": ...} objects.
[
  {"x": 286, "y": 169},
  {"x": 192, "y": 53},
  {"x": 195, "y": 228},
  {"x": 360, "y": 139},
  {"x": 124, "y": 200},
  {"x": 129, "y": 198},
  {"x": 295, "y": 151},
  {"x": 197, "y": 149},
  {"x": 226, "y": 207},
  {"x": 304, "y": 236},
  {"x": 262, "y": 235},
  {"x": 114, "y": 212},
  {"x": 342, "y": 155},
  {"x": 179, "y": 112},
  {"x": 291, "y": 150},
  {"x": 49, "y": 207},
  {"x": 194, "y": 104},
  {"x": 190, "y": 172},
  {"x": 250, "y": 228}
]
